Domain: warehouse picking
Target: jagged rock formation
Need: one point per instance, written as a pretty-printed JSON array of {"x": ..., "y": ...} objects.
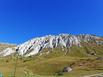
[{"x": 36, "y": 45}]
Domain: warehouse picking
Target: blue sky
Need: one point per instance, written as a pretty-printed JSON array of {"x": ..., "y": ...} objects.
[{"x": 21, "y": 20}]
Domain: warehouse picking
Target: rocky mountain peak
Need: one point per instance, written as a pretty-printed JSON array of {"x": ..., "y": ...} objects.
[{"x": 36, "y": 45}]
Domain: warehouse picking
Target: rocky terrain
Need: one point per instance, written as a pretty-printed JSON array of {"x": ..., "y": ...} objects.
[
  {"x": 3, "y": 46},
  {"x": 63, "y": 41}
]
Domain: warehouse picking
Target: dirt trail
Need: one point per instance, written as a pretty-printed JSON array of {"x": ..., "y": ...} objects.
[{"x": 99, "y": 74}]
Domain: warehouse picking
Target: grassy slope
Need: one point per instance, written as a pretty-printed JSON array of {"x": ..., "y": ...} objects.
[{"x": 50, "y": 67}]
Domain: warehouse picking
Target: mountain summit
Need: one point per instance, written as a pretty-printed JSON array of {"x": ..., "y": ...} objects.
[{"x": 63, "y": 41}]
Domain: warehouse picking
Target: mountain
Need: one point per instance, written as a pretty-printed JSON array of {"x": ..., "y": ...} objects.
[
  {"x": 63, "y": 41},
  {"x": 51, "y": 55}
]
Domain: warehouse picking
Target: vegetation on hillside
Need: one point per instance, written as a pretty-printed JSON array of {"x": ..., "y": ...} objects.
[{"x": 85, "y": 60}]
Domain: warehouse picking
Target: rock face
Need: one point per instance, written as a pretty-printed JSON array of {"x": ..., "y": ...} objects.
[
  {"x": 7, "y": 52},
  {"x": 36, "y": 45}
]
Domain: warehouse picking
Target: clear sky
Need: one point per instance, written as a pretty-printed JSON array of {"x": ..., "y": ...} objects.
[{"x": 21, "y": 20}]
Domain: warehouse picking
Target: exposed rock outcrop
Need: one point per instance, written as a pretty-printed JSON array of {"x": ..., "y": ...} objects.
[{"x": 36, "y": 45}]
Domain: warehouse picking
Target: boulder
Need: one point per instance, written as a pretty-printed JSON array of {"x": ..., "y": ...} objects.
[{"x": 67, "y": 69}]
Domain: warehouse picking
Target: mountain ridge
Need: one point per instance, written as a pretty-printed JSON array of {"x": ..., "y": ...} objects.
[{"x": 36, "y": 45}]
